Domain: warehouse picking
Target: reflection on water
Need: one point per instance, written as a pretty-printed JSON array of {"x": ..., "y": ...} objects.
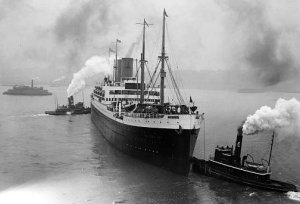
[{"x": 64, "y": 159}]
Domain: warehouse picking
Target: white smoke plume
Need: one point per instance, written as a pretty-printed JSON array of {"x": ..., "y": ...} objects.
[
  {"x": 94, "y": 65},
  {"x": 286, "y": 114},
  {"x": 59, "y": 79}
]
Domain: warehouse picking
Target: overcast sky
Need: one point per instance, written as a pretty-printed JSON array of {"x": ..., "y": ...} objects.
[{"x": 53, "y": 38}]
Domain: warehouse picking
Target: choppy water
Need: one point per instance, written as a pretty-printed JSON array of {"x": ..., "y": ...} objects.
[{"x": 63, "y": 159}]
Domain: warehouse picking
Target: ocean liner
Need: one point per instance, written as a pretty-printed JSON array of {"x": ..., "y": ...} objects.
[
  {"x": 134, "y": 117},
  {"x": 27, "y": 90}
]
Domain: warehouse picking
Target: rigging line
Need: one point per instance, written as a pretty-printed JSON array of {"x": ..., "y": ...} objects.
[
  {"x": 154, "y": 73},
  {"x": 156, "y": 41},
  {"x": 175, "y": 84},
  {"x": 137, "y": 71},
  {"x": 170, "y": 89},
  {"x": 171, "y": 93},
  {"x": 148, "y": 70},
  {"x": 172, "y": 80},
  {"x": 176, "y": 93},
  {"x": 153, "y": 85},
  {"x": 175, "y": 62},
  {"x": 180, "y": 100},
  {"x": 152, "y": 48}
]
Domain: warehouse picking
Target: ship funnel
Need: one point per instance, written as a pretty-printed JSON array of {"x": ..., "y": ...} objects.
[
  {"x": 238, "y": 143},
  {"x": 124, "y": 68},
  {"x": 71, "y": 101}
]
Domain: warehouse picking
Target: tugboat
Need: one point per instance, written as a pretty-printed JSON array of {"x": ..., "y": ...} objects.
[
  {"x": 70, "y": 109},
  {"x": 134, "y": 117},
  {"x": 27, "y": 90},
  {"x": 227, "y": 164}
]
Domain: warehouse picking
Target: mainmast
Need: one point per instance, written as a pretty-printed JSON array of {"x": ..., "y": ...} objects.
[
  {"x": 163, "y": 57},
  {"x": 116, "y": 61}
]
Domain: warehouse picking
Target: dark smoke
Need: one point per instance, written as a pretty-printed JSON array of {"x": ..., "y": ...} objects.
[
  {"x": 271, "y": 63},
  {"x": 269, "y": 59},
  {"x": 75, "y": 23},
  {"x": 133, "y": 45},
  {"x": 77, "y": 27}
]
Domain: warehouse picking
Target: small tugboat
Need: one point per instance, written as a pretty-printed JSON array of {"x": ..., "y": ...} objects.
[
  {"x": 227, "y": 164},
  {"x": 70, "y": 109},
  {"x": 27, "y": 91}
]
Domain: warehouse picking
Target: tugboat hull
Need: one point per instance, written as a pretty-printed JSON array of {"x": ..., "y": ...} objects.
[
  {"x": 238, "y": 175},
  {"x": 167, "y": 148},
  {"x": 69, "y": 112}
]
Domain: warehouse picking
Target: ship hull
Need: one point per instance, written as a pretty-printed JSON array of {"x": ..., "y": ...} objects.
[
  {"x": 167, "y": 148},
  {"x": 28, "y": 93}
]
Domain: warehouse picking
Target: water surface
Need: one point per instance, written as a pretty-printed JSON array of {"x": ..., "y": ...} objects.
[{"x": 63, "y": 159}]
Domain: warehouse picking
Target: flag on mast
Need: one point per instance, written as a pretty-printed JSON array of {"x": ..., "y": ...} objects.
[
  {"x": 165, "y": 13},
  {"x": 118, "y": 40},
  {"x": 111, "y": 50}
]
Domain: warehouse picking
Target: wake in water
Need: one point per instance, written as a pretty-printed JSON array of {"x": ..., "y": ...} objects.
[
  {"x": 29, "y": 116},
  {"x": 39, "y": 115},
  {"x": 293, "y": 195}
]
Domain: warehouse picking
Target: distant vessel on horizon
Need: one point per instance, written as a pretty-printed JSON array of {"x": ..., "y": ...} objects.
[
  {"x": 27, "y": 91},
  {"x": 252, "y": 90}
]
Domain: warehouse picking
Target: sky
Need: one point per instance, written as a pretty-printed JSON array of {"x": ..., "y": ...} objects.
[{"x": 49, "y": 39}]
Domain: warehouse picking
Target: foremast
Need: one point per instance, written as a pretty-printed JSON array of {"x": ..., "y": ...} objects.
[
  {"x": 116, "y": 61},
  {"x": 163, "y": 57},
  {"x": 143, "y": 61}
]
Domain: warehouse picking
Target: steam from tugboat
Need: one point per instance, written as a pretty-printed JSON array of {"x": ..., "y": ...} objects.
[
  {"x": 94, "y": 65},
  {"x": 286, "y": 114}
]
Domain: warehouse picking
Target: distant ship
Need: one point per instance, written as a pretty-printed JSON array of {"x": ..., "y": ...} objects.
[
  {"x": 251, "y": 90},
  {"x": 70, "y": 109},
  {"x": 134, "y": 117},
  {"x": 27, "y": 90}
]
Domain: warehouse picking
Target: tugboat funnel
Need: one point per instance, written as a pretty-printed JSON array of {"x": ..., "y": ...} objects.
[
  {"x": 238, "y": 144},
  {"x": 71, "y": 101}
]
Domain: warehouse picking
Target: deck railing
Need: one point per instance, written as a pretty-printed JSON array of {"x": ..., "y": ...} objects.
[{"x": 144, "y": 115}]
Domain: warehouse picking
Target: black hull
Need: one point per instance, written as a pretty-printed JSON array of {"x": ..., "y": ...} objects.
[
  {"x": 70, "y": 112},
  {"x": 166, "y": 148},
  {"x": 27, "y": 94},
  {"x": 230, "y": 174}
]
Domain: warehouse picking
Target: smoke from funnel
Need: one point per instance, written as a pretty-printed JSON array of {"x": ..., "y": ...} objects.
[
  {"x": 133, "y": 45},
  {"x": 94, "y": 65},
  {"x": 59, "y": 79},
  {"x": 285, "y": 114}
]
